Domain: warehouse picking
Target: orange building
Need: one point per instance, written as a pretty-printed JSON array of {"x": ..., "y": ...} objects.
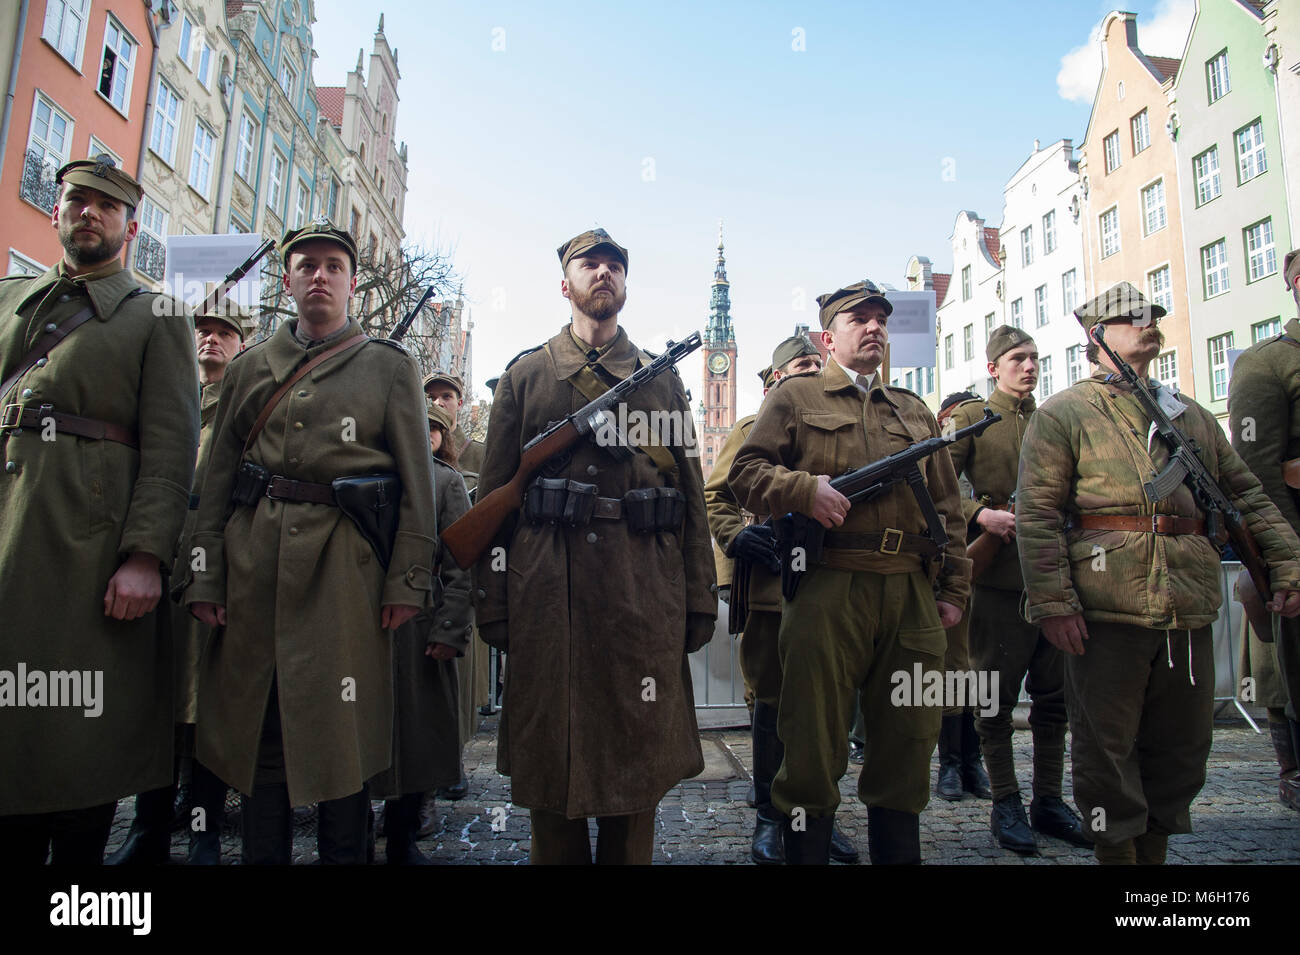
[{"x": 83, "y": 88}]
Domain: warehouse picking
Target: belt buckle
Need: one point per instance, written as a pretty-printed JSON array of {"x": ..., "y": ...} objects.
[
  {"x": 1155, "y": 523},
  {"x": 884, "y": 541},
  {"x": 270, "y": 483},
  {"x": 11, "y": 417}
]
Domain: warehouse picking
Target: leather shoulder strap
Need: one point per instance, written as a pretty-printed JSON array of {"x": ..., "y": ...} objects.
[
  {"x": 44, "y": 345},
  {"x": 303, "y": 369}
]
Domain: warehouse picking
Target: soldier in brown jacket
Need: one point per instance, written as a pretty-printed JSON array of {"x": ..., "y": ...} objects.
[
  {"x": 599, "y": 715},
  {"x": 876, "y": 608}
]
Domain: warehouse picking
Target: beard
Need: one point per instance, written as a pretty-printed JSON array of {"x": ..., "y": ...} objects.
[
  {"x": 108, "y": 246},
  {"x": 598, "y": 308}
]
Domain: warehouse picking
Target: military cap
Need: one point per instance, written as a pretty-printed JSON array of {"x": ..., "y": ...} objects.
[
  {"x": 1003, "y": 339},
  {"x": 319, "y": 229},
  {"x": 832, "y": 303},
  {"x": 1291, "y": 268},
  {"x": 229, "y": 313},
  {"x": 591, "y": 239},
  {"x": 439, "y": 418},
  {"x": 796, "y": 346},
  {"x": 491, "y": 384},
  {"x": 449, "y": 377},
  {"x": 956, "y": 398},
  {"x": 767, "y": 377},
  {"x": 1118, "y": 301},
  {"x": 101, "y": 173}
]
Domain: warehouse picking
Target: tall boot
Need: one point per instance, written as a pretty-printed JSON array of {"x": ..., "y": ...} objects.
[
  {"x": 342, "y": 830},
  {"x": 1150, "y": 848},
  {"x": 267, "y": 823},
  {"x": 149, "y": 840},
  {"x": 950, "y": 757},
  {"x": 766, "y": 846},
  {"x": 893, "y": 836},
  {"x": 1286, "y": 744},
  {"x": 973, "y": 778},
  {"x": 403, "y": 821},
  {"x": 209, "y": 794},
  {"x": 811, "y": 845}
]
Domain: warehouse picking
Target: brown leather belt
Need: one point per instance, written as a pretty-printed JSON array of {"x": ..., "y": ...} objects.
[
  {"x": 891, "y": 542},
  {"x": 16, "y": 416},
  {"x": 287, "y": 489},
  {"x": 1149, "y": 524}
]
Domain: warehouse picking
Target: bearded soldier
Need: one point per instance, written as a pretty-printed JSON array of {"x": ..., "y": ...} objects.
[
  {"x": 598, "y": 616},
  {"x": 1127, "y": 587},
  {"x": 99, "y": 429}
]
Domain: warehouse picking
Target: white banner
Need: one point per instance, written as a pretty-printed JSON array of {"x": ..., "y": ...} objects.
[
  {"x": 196, "y": 263},
  {"x": 911, "y": 330}
]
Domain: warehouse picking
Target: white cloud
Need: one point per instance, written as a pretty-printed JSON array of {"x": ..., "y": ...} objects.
[{"x": 1164, "y": 34}]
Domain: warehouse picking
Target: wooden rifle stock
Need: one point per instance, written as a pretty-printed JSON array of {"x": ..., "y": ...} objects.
[{"x": 983, "y": 550}]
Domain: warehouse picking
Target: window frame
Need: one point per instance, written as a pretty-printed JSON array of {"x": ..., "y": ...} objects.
[
  {"x": 1225, "y": 340},
  {"x": 70, "y": 125},
  {"x": 966, "y": 287},
  {"x": 1210, "y": 76},
  {"x": 968, "y": 342},
  {"x": 210, "y": 158},
  {"x": 1070, "y": 301},
  {"x": 1146, "y": 130},
  {"x": 1258, "y": 150},
  {"x": 1172, "y": 355},
  {"x": 1027, "y": 246},
  {"x": 1269, "y": 251},
  {"x": 1268, "y": 328},
  {"x": 1214, "y": 176},
  {"x": 1041, "y": 316},
  {"x": 175, "y": 122},
  {"x": 84, "y": 14},
  {"x": 113, "y": 23},
  {"x": 1074, "y": 364},
  {"x": 1146, "y": 211},
  {"x": 1113, "y": 159},
  {"x": 246, "y": 151},
  {"x": 1018, "y": 313},
  {"x": 1152, "y": 294},
  {"x": 1101, "y": 231},
  {"x": 1220, "y": 266},
  {"x": 274, "y": 182},
  {"x": 1049, "y": 232}
]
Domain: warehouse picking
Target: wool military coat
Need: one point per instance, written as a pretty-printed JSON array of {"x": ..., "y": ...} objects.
[
  {"x": 71, "y": 510},
  {"x": 302, "y": 588},
  {"x": 1087, "y": 451},
  {"x": 599, "y": 716}
]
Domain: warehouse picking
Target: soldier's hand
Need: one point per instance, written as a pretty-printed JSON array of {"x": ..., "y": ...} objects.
[
  {"x": 830, "y": 507},
  {"x": 949, "y": 615},
  {"x": 214, "y": 615},
  {"x": 393, "y": 616},
  {"x": 757, "y": 545},
  {"x": 440, "y": 652},
  {"x": 1066, "y": 633},
  {"x": 1286, "y": 603},
  {"x": 134, "y": 590},
  {"x": 1001, "y": 523}
]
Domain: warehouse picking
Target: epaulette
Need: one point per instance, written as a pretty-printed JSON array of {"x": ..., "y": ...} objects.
[
  {"x": 969, "y": 401},
  {"x": 15, "y": 278},
  {"x": 803, "y": 374},
  {"x": 248, "y": 348},
  {"x": 526, "y": 351},
  {"x": 907, "y": 391},
  {"x": 391, "y": 344}
]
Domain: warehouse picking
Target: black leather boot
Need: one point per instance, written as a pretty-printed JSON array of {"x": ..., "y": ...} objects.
[
  {"x": 403, "y": 821},
  {"x": 766, "y": 847},
  {"x": 949, "y": 785},
  {"x": 267, "y": 822},
  {"x": 1052, "y": 817},
  {"x": 343, "y": 828},
  {"x": 149, "y": 840},
  {"x": 893, "y": 836},
  {"x": 973, "y": 778},
  {"x": 209, "y": 794},
  {"x": 459, "y": 791},
  {"x": 1286, "y": 743},
  {"x": 842, "y": 850},
  {"x": 1010, "y": 827},
  {"x": 811, "y": 843}
]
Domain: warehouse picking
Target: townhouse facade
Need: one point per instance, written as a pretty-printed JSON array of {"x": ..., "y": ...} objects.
[{"x": 971, "y": 308}]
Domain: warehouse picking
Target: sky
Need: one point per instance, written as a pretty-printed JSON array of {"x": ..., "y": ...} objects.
[{"x": 835, "y": 140}]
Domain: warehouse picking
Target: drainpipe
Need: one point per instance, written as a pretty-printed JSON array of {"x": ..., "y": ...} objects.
[
  {"x": 223, "y": 193},
  {"x": 147, "y": 125},
  {"x": 13, "y": 82}
]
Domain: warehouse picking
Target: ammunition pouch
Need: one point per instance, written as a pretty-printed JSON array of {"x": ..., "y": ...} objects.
[
  {"x": 371, "y": 501},
  {"x": 650, "y": 510},
  {"x": 559, "y": 501},
  {"x": 251, "y": 482},
  {"x": 572, "y": 503}
]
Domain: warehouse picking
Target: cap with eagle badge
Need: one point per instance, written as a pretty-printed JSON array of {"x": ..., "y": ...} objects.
[
  {"x": 851, "y": 296},
  {"x": 1003, "y": 339},
  {"x": 591, "y": 239},
  {"x": 450, "y": 378},
  {"x": 101, "y": 173},
  {"x": 229, "y": 313},
  {"x": 319, "y": 230},
  {"x": 1118, "y": 301}
]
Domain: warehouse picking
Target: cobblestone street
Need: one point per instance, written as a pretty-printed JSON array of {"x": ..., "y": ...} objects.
[{"x": 1237, "y": 817}]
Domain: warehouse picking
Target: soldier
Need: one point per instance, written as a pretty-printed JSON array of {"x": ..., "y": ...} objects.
[
  {"x": 1128, "y": 588},
  {"x": 870, "y": 610},
  {"x": 1264, "y": 416},
  {"x": 296, "y": 698},
  {"x": 447, "y": 391},
  {"x": 99, "y": 430},
  {"x": 1001, "y": 642},
  {"x": 760, "y": 663},
  {"x": 598, "y": 717}
]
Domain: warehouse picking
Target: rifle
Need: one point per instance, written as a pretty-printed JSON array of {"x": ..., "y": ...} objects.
[
  {"x": 1185, "y": 467},
  {"x": 470, "y": 536},
  {"x": 985, "y": 548},
  {"x": 800, "y": 539},
  {"x": 404, "y": 326},
  {"x": 232, "y": 279}
]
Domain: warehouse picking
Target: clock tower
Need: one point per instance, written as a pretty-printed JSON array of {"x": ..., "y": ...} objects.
[{"x": 718, "y": 407}]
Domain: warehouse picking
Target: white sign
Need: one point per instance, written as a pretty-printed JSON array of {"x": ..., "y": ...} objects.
[
  {"x": 197, "y": 262},
  {"x": 911, "y": 330}
]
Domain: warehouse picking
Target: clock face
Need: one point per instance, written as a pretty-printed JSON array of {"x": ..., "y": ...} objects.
[{"x": 719, "y": 363}]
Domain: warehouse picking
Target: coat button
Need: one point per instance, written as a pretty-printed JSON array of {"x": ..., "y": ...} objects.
[
  {"x": 51, "y": 327},
  {"x": 297, "y": 426},
  {"x": 593, "y": 470},
  {"x": 446, "y": 625},
  {"x": 42, "y": 362},
  {"x": 293, "y": 532},
  {"x": 65, "y": 297},
  {"x": 27, "y": 392},
  {"x": 293, "y": 460},
  {"x": 11, "y": 467},
  {"x": 302, "y": 394},
  {"x": 482, "y": 594},
  {"x": 591, "y": 537}
]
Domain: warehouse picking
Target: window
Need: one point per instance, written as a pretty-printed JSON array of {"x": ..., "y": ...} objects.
[
  {"x": 65, "y": 27},
  {"x": 1216, "y": 76},
  {"x": 97, "y": 148},
  {"x": 1049, "y": 233},
  {"x": 1153, "y": 207},
  {"x": 1073, "y": 363},
  {"x": 1040, "y": 306},
  {"x": 288, "y": 78},
  {"x": 356, "y": 228},
  {"x": 1027, "y": 245},
  {"x": 1068, "y": 300},
  {"x": 277, "y": 181},
  {"x": 201, "y": 159},
  {"x": 1141, "y": 132},
  {"x": 1045, "y": 376},
  {"x": 909, "y": 377},
  {"x": 1111, "y": 144},
  {"x": 1250, "y": 152},
  {"x": 1167, "y": 368},
  {"x": 47, "y": 149},
  {"x": 116, "y": 68},
  {"x": 1214, "y": 266},
  {"x": 332, "y": 202},
  {"x": 968, "y": 342},
  {"x": 1261, "y": 256},
  {"x": 965, "y": 283},
  {"x": 1206, "y": 169},
  {"x": 1266, "y": 329},
  {"x": 947, "y": 351},
  {"x": 1219, "y": 347},
  {"x": 203, "y": 65},
  {"x": 1110, "y": 231},
  {"x": 1160, "y": 289},
  {"x": 184, "y": 45},
  {"x": 989, "y": 319},
  {"x": 166, "y": 112},
  {"x": 1018, "y": 313},
  {"x": 300, "y": 204},
  {"x": 926, "y": 379},
  {"x": 247, "y": 147},
  {"x": 150, "y": 241},
  {"x": 21, "y": 265}
]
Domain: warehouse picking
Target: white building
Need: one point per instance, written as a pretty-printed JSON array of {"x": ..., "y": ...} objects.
[{"x": 971, "y": 309}]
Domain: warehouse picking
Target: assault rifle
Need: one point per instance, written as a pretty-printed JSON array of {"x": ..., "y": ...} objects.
[
  {"x": 1185, "y": 467},
  {"x": 404, "y": 326},
  {"x": 470, "y": 536}
]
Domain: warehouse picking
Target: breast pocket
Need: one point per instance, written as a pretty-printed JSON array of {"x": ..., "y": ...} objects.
[{"x": 830, "y": 442}]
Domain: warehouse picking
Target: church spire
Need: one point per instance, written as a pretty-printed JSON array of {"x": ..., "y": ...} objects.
[
  {"x": 720, "y": 271},
  {"x": 718, "y": 331}
]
